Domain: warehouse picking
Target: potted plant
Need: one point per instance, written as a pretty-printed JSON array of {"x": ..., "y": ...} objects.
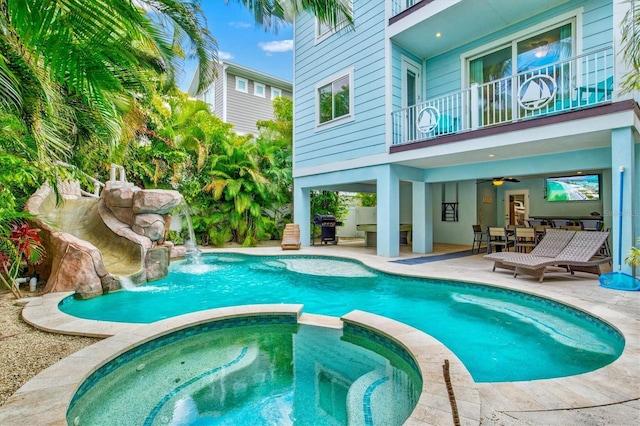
[{"x": 633, "y": 258}]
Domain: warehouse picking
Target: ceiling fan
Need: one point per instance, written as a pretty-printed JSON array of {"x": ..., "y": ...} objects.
[{"x": 497, "y": 181}]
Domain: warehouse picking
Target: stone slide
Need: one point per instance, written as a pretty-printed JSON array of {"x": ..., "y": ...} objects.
[{"x": 93, "y": 243}]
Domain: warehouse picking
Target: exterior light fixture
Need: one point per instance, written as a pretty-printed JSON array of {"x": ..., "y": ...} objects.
[{"x": 497, "y": 182}]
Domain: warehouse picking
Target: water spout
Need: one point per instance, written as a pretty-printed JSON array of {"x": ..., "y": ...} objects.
[{"x": 192, "y": 250}]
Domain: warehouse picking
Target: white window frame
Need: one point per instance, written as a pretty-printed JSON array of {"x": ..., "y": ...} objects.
[
  {"x": 246, "y": 84},
  {"x": 574, "y": 17},
  {"x": 275, "y": 93},
  {"x": 256, "y": 86},
  {"x": 209, "y": 96},
  {"x": 344, "y": 118},
  {"x": 323, "y": 31}
]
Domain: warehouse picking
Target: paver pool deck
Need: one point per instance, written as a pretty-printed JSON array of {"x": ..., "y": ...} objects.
[{"x": 609, "y": 395}]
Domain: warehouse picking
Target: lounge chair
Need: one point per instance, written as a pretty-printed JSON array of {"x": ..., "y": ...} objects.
[
  {"x": 549, "y": 247},
  {"x": 291, "y": 237},
  {"x": 578, "y": 255}
]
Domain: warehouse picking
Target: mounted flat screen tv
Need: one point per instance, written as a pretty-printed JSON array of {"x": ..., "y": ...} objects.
[{"x": 573, "y": 188}]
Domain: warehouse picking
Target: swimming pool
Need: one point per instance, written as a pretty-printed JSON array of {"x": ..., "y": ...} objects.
[
  {"x": 500, "y": 335},
  {"x": 251, "y": 370}
]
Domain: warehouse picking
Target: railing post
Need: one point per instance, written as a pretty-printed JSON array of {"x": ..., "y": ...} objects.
[
  {"x": 120, "y": 170},
  {"x": 475, "y": 107}
]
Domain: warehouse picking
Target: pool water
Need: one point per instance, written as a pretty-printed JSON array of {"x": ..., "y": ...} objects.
[
  {"x": 500, "y": 335},
  {"x": 230, "y": 373}
]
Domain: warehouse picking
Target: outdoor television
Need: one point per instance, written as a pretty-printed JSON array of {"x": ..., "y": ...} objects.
[{"x": 573, "y": 188}]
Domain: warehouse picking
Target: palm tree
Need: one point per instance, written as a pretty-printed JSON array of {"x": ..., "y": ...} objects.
[
  {"x": 631, "y": 46},
  {"x": 270, "y": 14},
  {"x": 102, "y": 53}
]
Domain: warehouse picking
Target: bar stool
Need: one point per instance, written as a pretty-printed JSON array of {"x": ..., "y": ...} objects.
[{"x": 478, "y": 238}]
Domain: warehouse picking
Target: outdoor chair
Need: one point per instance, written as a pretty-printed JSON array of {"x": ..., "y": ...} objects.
[
  {"x": 499, "y": 239},
  {"x": 591, "y": 225},
  {"x": 478, "y": 238},
  {"x": 578, "y": 255},
  {"x": 550, "y": 246},
  {"x": 525, "y": 239},
  {"x": 291, "y": 237}
]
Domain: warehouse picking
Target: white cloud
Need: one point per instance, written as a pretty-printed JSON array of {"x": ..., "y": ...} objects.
[
  {"x": 276, "y": 46},
  {"x": 224, "y": 56},
  {"x": 240, "y": 24}
]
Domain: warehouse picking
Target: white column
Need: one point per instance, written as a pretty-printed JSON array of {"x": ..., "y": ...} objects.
[
  {"x": 422, "y": 236},
  {"x": 388, "y": 212},
  {"x": 622, "y": 205},
  {"x": 302, "y": 212}
]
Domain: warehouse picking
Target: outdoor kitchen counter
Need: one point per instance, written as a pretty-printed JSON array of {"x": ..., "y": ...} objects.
[{"x": 371, "y": 234}]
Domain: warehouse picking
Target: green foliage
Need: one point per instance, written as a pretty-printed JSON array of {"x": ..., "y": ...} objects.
[
  {"x": 329, "y": 202},
  {"x": 631, "y": 47},
  {"x": 238, "y": 188},
  {"x": 90, "y": 82},
  {"x": 633, "y": 258},
  {"x": 367, "y": 200},
  {"x": 18, "y": 243}
]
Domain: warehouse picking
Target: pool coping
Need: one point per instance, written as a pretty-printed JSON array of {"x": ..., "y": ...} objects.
[
  {"x": 613, "y": 384},
  {"x": 46, "y": 398}
]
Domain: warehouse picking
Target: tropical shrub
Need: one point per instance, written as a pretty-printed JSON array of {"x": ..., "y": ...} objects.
[{"x": 20, "y": 247}]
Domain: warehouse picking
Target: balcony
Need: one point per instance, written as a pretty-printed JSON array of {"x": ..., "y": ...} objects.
[
  {"x": 580, "y": 82},
  {"x": 399, "y": 6}
]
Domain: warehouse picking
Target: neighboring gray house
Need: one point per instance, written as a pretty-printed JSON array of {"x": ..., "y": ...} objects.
[{"x": 241, "y": 96}]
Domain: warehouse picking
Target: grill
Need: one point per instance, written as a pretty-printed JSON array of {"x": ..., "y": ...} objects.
[{"x": 327, "y": 224}]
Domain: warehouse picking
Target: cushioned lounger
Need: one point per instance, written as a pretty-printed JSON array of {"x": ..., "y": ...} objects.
[
  {"x": 549, "y": 247},
  {"x": 578, "y": 255}
]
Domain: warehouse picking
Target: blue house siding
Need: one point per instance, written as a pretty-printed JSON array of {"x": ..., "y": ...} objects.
[
  {"x": 597, "y": 24},
  {"x": 362, "y": 50}
]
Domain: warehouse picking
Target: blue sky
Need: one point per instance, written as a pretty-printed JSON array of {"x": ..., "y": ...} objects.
[{"x": 243, "y": 42}]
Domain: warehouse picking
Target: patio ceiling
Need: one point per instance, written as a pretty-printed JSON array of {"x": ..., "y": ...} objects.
[
  {"x": 434, "y": 157},
  {"x": 457, "y": 24}
]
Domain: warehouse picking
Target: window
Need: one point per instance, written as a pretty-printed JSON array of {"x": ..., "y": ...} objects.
[
  {"x": 275, "y": 93},
  {"x": 533, "y": 52},
  {"x": 242, "y": 85},
  {"x": 259, "y": 89},
  {"x": 492, "y": 68},
  {"x": 323, "y": 30},
  {"x": 208, "y": 96},
  {"x": 334, "y": 99}
]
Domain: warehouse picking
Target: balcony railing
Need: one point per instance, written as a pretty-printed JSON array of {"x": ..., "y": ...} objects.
[
  {"x": 398, "y": 6},
  {"x": 580, "y": 82}
]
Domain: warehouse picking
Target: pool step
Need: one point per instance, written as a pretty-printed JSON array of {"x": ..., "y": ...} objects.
[{"x": 379, "y": 398}]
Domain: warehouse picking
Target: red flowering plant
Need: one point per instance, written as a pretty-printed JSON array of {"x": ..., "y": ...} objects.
[{"x": 20, "y": 247}]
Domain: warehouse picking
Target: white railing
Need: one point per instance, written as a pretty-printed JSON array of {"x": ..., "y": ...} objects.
[
  {"x": 97, "y": 185},
  {"x": 398, "y": 6},
  {"x": 580, "y": 82},
  {"x": 115, "y": 173}
]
